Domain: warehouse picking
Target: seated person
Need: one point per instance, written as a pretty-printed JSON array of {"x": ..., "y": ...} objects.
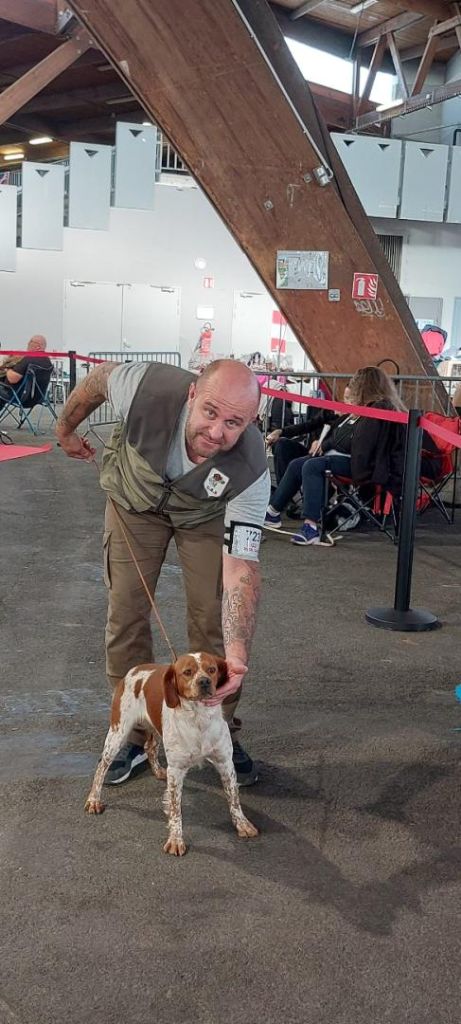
[
  {"x": 15, "y": 367},
  {"x": 285, "y": 440},
  {"x": 366, "y": 450}
]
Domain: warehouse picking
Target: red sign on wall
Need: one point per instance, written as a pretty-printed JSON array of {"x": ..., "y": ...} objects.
[{"x": 365, "y": 286}]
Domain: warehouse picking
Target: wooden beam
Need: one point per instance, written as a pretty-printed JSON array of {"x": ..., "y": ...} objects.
[
  {"x": 39, "y": 15},
  {"x": 397, "y": 64},
  {"x": 375, "y": 64},
  {"x": 424, "y": 65},
  {"x": 442, "y": 27},
  {"x": 425, "y": 99},
  {"x": 305, "y": 8},
  {"x": 371, "y": 36},
  {"x": 262, "y": 178},
  {"x": 17, "y": 95},
  {"x": 443, "y": 43}
]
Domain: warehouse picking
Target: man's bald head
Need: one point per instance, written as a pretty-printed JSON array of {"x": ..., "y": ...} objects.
[
  {"x": 223, "y": 401},
  {"x": 37, "y": 343},
  {"x": 231, "y": 376}
]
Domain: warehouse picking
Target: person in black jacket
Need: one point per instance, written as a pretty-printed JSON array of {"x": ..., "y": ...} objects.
[
  {"x": 366, "y": 450},
  {"x": 286, "y": 441}
]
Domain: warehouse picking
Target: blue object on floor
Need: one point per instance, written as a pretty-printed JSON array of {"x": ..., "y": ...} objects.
[{"x": 458, "y": 692}]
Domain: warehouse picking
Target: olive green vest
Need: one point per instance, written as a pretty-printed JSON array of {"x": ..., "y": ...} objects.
[{"x": 134, "y": 462}]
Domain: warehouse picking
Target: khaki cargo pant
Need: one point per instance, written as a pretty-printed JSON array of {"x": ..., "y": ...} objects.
[{"x": 128, "y": 629}]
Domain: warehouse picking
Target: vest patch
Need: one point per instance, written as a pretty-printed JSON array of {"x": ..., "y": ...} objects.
[{"x": 215, "y": 483}]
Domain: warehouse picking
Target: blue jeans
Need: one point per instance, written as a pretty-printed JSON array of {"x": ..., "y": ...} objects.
[{"x": 309, "y": 474}]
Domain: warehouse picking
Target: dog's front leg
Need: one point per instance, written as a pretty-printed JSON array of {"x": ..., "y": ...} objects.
[
  {"x": 245, "y": 828},
  {"x": 172, "y": 804}
]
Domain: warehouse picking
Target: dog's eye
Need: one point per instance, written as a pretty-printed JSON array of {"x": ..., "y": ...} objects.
[
  {"x": 211, "y": 670},
  {"x": 187, "y": 672}
]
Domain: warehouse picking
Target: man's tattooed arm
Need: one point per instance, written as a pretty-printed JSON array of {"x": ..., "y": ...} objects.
[
  {"x": 86, "y": 397},
  {"x": 241, "y": 593}
]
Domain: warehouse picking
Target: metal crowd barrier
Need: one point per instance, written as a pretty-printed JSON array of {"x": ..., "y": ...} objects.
[{"x": 104, "y": 414}]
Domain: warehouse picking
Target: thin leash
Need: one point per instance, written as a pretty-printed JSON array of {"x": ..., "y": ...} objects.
[{"x": 137, "y": 565}]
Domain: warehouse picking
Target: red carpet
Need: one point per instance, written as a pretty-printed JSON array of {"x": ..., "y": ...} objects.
[{"x": 20, "y": 451}]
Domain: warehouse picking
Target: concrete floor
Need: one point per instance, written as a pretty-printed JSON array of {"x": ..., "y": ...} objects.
[{"x": 346, "y": 909}]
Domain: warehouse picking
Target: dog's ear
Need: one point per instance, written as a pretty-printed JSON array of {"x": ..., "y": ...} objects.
[
  {"x": 170, "y": 691},
  {"x": 223, "y": 674}
]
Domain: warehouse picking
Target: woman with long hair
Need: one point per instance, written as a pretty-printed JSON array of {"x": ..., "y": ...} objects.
[{"x": 366, "y": 450}]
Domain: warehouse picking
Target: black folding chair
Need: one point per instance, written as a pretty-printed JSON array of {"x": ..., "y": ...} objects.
[
  {"x": 369, "y": 501},
  {"x": 25, "y": 396}
]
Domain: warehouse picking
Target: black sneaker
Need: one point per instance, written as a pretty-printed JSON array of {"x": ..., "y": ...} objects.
[
  {"x": 246, "y": 769},
  {"x": 128, "y": 762}
]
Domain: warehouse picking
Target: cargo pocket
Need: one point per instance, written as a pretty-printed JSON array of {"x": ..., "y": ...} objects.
[{"x": 106, "y": 558}]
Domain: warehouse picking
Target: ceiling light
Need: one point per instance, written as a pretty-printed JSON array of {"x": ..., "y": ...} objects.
[
  {"x": 40, "y": 140},
  {"x": 14, "y": 156},
  {"x": 358, "y": 8}
]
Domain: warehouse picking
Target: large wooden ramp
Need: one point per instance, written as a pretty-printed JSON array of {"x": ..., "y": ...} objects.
[{"x": 218, "y": 78}]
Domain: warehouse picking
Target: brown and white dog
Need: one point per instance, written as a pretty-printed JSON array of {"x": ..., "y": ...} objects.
[{"x": 168, "y": 700}]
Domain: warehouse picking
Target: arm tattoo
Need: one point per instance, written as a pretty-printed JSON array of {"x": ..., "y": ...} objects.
[
  {"x": 239, "y": 608},
  {"x": 86, "y": 397}
]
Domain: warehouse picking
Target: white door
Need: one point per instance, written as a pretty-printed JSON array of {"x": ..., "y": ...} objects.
[
  {"x": 150, "y": 318},
  {"x": 92, "y": 316}
]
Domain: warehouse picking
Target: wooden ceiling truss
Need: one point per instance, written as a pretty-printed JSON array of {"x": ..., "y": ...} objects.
[
  {"x": 33, "y": 81},
  {"x": 414, "y": 97}
]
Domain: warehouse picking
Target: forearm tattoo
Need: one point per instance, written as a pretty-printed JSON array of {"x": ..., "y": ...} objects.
[
  {"x": 239, "y": 608},
  {"x": 86, "y": 397}
]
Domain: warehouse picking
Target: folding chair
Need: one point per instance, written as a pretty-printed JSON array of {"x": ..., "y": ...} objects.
[
  {"x": 23, "y": 398},
  {"x": 430, "y": 488},
  {"x": 378, "y": 508}
]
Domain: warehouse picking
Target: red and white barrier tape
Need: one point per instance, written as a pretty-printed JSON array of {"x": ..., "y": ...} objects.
[
  {"x": 392, "y": 416},
  {"x": 324, "y": 403}
]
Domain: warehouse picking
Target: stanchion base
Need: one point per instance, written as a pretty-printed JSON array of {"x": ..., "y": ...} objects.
[{"x": 415, "y": 620}]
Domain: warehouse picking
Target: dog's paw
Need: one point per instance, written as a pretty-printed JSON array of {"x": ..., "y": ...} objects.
[
  {"x": 246, "y": 830},
  {"x": 94, "y": 806},
  {"x": 176, "y": 847}
]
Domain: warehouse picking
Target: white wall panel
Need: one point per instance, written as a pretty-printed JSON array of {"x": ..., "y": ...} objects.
[
  {"x": 135, "y": 155},
  {"x": 454, "y": 191},
  {"x": 89, "y": 185},
  {"x": 424, "y": 181},
  {"x": 8, "y": 226},
  {"x": 373, "y": 165},
  {"x": 42, "y": 206}
]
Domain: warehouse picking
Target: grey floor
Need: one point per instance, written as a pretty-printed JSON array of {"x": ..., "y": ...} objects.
[{"x": 346, "y": 909}]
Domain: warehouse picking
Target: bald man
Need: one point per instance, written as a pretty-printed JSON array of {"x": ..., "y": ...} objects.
[
  {"x": 14, "y": 368},
  {"x": 185, "y": 461}
]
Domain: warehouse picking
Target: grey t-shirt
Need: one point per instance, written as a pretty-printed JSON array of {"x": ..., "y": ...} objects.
[{"x": 243, "y": 513}]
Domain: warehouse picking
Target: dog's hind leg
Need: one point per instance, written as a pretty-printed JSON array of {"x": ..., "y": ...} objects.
[
  {"x": 114, "y": 740},
  {"x": 151, "y": 747},
  {"x": 122, "y": 720}
]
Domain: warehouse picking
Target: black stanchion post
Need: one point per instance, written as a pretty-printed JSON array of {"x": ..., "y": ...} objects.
[
  {"x": 72, "y": 369},
  {"x": 401, "y": 617}
]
